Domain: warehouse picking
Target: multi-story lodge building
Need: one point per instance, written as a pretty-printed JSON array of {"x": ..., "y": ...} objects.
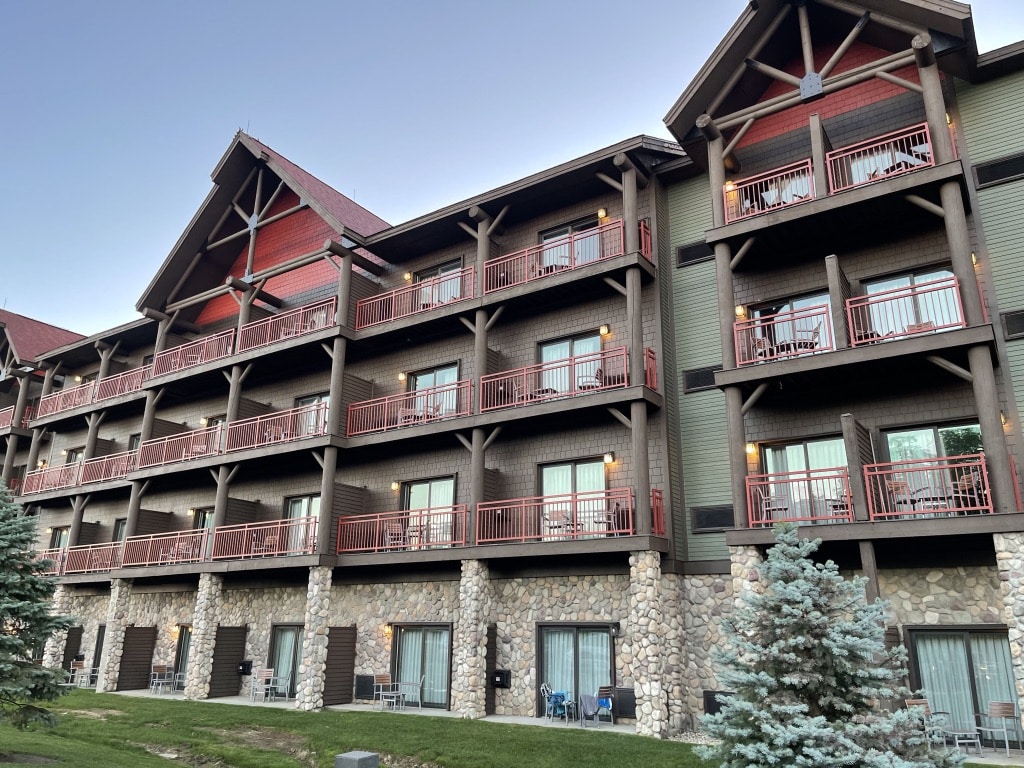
[{"x": 542, "y": 435}]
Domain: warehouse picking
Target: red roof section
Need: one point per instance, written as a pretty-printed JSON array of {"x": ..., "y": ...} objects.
[
  {"x": 342, "y": 208},
  {"x": 31, "y": 338}
]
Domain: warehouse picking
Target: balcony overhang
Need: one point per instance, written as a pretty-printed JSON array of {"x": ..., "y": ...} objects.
[
  {"x": 846, "y": 368},
  {"x": 800, "y": 231}
]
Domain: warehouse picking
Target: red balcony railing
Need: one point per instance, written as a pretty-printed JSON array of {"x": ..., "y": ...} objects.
[
  {"x": 194, "y": 353},
  {"x": 272, "y": 539},
  {"x": 433, "y": 528},
  {"x": 556, "y": 517},
  {"x": 570, "y": 252},
  {"x": 14, "y": 485},
  {"x": 114, "y": 466},
  {"x": 287, "y": 325},
  {"x": 802, "y": 496},
  {"x": 408, "y": 409},
  {"x": 56, "y": 558},
  {"x": 418, "y": 297},
  {"x": 891, "y": 154},
  {"x": 183, "y": 447},
  {"x": 7, "y": 417},
  {"x": 93, "y": 558},
  {"x": 166, "y": 548},
  {"x": 783, "y": 335},
  {"x": 53, "y": 478},
  {"x": 768, "y": 191},
  {"x": 905, "y": 311},
  {"x": 657, "y": 512},
  {"x": 950, "y": 485},
  {"x": 280, "y": 427},
  {"x": 123, "y": 383},
  {"x": 66, "y": 399},
  {"x": 567, "y": 377}
]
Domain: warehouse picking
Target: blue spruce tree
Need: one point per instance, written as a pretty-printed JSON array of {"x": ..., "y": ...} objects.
[
  {"x": 811, "y": 676},
  {"x": 26, "y": 621}
]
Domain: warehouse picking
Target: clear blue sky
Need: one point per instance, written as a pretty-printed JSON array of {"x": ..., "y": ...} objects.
[{"x": 115, "y": 112}]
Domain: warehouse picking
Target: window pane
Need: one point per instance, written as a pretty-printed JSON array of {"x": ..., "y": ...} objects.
[
  {"x": 912, "y": 444},
  {"x": 590, "y": 476},
  {"x": 559, "y": 661},
  {"x": 942, "y": 659},
  {"x": 595, "y": 661},
  {"x": 284, "y": 656},
  {"x": 435, "y": 667},
  {"x": 556, "y": 479},
  {"x": 960, "y": 441}
]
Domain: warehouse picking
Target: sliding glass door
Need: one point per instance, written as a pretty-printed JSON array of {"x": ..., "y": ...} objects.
[
  {"x": 576, "y": 659},
  {"x": 422, "y": 658},
  {"x": 285, "y": 645}
]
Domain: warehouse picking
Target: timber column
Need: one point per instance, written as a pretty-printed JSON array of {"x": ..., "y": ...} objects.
[
  {"x": 24, "y": 381},
  {"x": 204, "y": 636},
  {"x": 53, "y": 651},
  {"x": 726, "y": 310},
  {"x": 37, "y": 432},
  {"x": 646, "y": 637},
  {"x": 469, "y": 645}
]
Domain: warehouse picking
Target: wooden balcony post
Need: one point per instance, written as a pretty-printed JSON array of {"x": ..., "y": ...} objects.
[
  {"x": 131, "y": 525},
  {"x": 77, "y": 513},
  {"x": 325, "y": 525},
  {"x": 854, "y": 438},
  {"x": 869, "y": 569},
  {"x": 986, "y": 398},
  {"x": 220, "y": 504},
  {"x": 934, "y": 104},
  {"x": 820, "y": 146},
  {"x": 344, "y": 289},
  {"x": 641, "y": 468},
  {"x": 838, "y": 289},
  {"x": 24, "y": 384},
  {"x": 335, "y": 413},
  {"x": 477, "y": 473}
]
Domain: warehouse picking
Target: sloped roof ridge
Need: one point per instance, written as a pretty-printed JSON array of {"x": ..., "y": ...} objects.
[
  {"x": 343, "y": 208},
  {"x": 30, "y": 338}
]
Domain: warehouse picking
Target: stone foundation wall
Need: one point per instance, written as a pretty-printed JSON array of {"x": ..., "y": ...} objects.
[
  {"x": 372, "y": 607},
  {"x": 706, "y": 602},
  {"x": 1010, "y": 564},
  {"x": 165, "y": 611},
  {"x": 959, "y": 595}
]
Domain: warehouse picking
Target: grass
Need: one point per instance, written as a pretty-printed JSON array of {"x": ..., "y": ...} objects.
[{"x": 106, "y": 731}]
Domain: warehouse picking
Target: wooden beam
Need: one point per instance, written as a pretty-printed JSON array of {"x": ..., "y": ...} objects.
[
  {"x": 751, "y": 401},
  {"x": 754, "y": 52},
  {"x": 881, "y": 18},
  {"x": 805, "y": 38},
  {"x": 470, "y": 230},
  {"x": 339, "y": 249},
  {"x": 623, "y": 163},
  {"x": 927, "y": 205},
  {"x": 497, "y": 221},
  {"x": 738, "y": 136},
  {"x": 257, "y": 292},
  {"x": 270, "y": 202},
  {"x": 468, "y": 324},
  {"x": 902, "y": 83},
  {"x": 490, "y": 438},
  {"x": 465, "y": 443},
  {"x": 616, "y": 185},
  {"x": 621, "y": 417},
  {"x": 616, "y": 285},
  {"x": 777, "y": 74},
  {"x": 953, "y": 368},
  {"x": 494, "y": 318},
  {"x": 845, "y": 45},
  {"x": 743, "y": 250}
]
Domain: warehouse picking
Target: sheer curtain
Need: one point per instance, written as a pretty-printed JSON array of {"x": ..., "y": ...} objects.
[
  {"x": 436, "y": 667},
  {"x": 558, "y": 660},
  {"x": 942, "y": 659},
  {"x": 993, "y": 678},
  {"x": 595, "y": 661},
  {"x": 286, "y": 646}
]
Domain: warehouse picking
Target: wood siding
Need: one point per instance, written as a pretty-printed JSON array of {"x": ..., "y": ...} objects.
[
  {"x": 136, "y": 658},
  {"x": 228, "y": 650},
  {"x": 340, "y": 675},
  {"x": 72, "y": 647}
]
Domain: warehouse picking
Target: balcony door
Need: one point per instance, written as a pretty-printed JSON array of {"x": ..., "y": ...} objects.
[
  {"x": 788, "y": 324},
  {"x": 555, "y": 378},
  {"x": 574, "y": 498},
  {"x": 285, "y": 645},
  {"x": 301, "y": 538},
  {"x": 576, "y": 659},
  {"x": 569, "y": 245},
  {"x": 915, "y": 446},
  {"x": 913, "y": 301},
  {"x": 433, "y": 404},
  {"x": 181, "y": 652},
  {"x": 441, "y": 283},
  {"x": 422, "y": 658},
  {"x": 804, "y": 480},
  {"x": 438, "y": 496}
]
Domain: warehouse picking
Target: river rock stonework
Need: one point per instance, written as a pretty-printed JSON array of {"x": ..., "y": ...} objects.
[
  {"x": 1009, "y": 549},
  {"x": 204, "y": 629},
  {"x": 309, "y": 692},
  {"x": 744, "y": 564},
  {"x": 707, "y": 601},
  {"x": 644, "y": 640},
  {"x": 113, "y": 642},
  {"x": 53, "y": 651},
  {"x": 936, "y": 596},
  {"x": 469, "y": 644}
]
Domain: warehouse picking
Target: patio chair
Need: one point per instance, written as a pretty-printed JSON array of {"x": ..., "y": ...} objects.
[
  {"x": 558, "y": 521},
  {"x": 260, "y": 687},
  {"x": 382, "y": 684},
  {"x": 605, "y": 697},
  {"x": 161, "y": 679},
  {"x": 394, "y": 534},
  {"x": 1000, "y": 720}
]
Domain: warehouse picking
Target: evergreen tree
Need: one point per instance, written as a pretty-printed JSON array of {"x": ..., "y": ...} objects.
[
  {"x": 25, "y": 620},
  {"x": 807, "y": 662}
]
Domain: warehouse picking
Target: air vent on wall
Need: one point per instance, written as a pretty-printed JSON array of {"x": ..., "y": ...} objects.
[
  {"x": 693, "y": 253},
  {"x": 713, "y": 518},
  {"x": 697, "y": 379},
  {"x": 1013, "y": 323},
  {"x": 1004, "y": 169}
]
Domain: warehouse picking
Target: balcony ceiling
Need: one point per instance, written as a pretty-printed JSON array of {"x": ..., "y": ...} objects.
[{"x": 949, "y": 23}]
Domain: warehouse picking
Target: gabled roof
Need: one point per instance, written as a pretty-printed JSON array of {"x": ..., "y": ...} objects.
[
  {"x": 948, "y": 22},
  {"x": 29, "y": 338},
  {"x": 243, "y": 155}
]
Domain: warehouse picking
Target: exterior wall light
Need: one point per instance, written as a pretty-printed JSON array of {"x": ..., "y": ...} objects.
[
  {"x": 605, "y": 329},
  {"x": 204, "y": 421},
  {"x": 602, "y": 213},
  {"x": 751, "y": 449},
  {"x": 741, "y": 311},
  {"x": 407, "y": 276},
  {"x": 401, "y": 375},
  {"x": 395, "y": 485},
  {"x": 730, "y": 186},
  {"x": 387, "y": 631},
  {"x": 191, "y": 512},
  {"x": 609, "y": 458},
  {"x": 974, "y": 258}
]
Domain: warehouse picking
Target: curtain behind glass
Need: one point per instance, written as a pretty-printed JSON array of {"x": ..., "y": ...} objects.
[
  {"x": 435, "y": 685},
  {"x": 184, "y": 646},
  {"x": 558, "y": 660},
  {"x": 942, "y": 659},
  {"x": 595, "y": 660},
  {"x": 993, "y": 676},
  {"x": 286, "y": 647}
]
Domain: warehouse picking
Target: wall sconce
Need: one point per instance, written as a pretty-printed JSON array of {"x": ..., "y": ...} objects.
[
  {"x": 605, "y": 329},
  {"x": 609, "y": 458},
  {"x": 401, "y": 375},
  {"x": 63, "y": 451},
  {"x": 78, "y": 379},
  {"x": 407, "y": 276},
  {"x": 730, "y": 186},
  {"x": 614, "y": 629},
  {"x": 741, "y": 311},
  {"x": 41, "y": 464},
  {"x": 602, "y": 213},
  {"x": 974, "y": 258},
  {"x": 395, "y": 485},
  {"x": 191, "y": 512},
  {"x": 49, "y": 530},
  {"x": 204, "y": 421},
  {"x": 387, "y": 631},
  {"x": 751, "y": 449},
  {"x": 1002, "y": 418}
]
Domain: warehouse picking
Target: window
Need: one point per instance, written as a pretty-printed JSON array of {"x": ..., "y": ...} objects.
[
  {"x": 213, "y": 421},
  {"x": 694, "y": 253},
  {"x": 961, "y": 671},
  {"x": 437, "y": 525},
  {"x": 120, "y": 529},
  {"x": 73, "y": 455},
  {"x": 698, "y": 379},
  {"x": 315, "y": 421},
  {"x": 711, "y": 518},
  {"x": 1001, "y": 170},
  {"x": 565, "y": 247},
  {"x": 932, "y": 442},
  {"x": 181, "y": 652},
  {"x": 422, "y": 653},
  {"x": 441, "y": 400},
  {"x": 805, "y": 479},
  {"x": 285, "y": 645},
  {"x": 202, "y": 518},
  {"x": 319, "y": 397},
  {"x": 59, "y": 537},
  {"x": 947, "y": 484},
  {"x": 301, "y": 538},
  {"x": 134, "y": 441},
  {"x": 913, "y": 303},
  {"x": 556, "y": 378},
  {"x": 575, "y": 499},
  {"x": 793, "y": 323},
  {"x": 576, "y": 659},
  {"x": 444, "y": 283}
]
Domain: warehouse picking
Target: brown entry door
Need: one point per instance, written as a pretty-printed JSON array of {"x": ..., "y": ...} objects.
[
  {"x": 228, "y": 650},
  {"x": 339, "y": 679},
  {"x": 136, "y": 658}
]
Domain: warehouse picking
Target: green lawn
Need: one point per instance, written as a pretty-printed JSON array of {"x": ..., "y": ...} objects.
[{"x": 110, "y": 731}]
